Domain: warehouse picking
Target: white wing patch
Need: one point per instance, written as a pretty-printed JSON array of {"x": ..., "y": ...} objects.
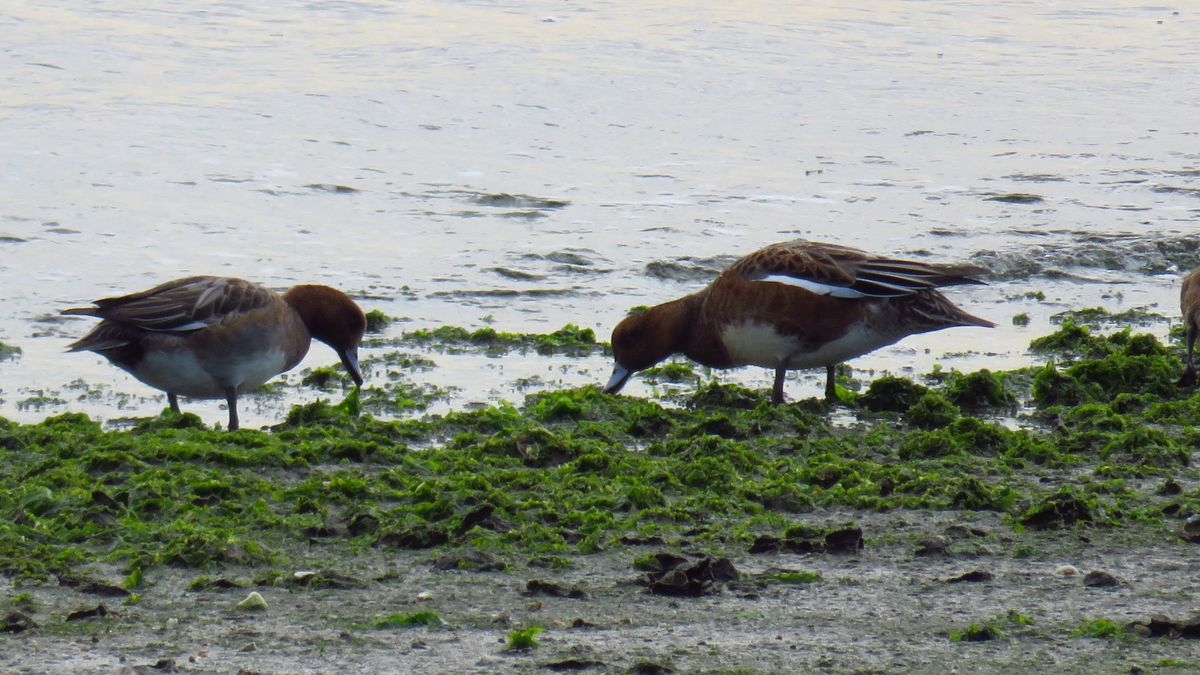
[
  {"x": 195, "y": 325},
  {"x": 815, "y": 287}
]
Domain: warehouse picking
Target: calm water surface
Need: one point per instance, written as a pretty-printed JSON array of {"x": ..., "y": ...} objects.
[{"x": 369, "y": 145}]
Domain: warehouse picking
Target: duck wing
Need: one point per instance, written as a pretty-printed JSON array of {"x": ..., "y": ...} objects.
[
  {"x": 844, "y": 272},
  {"x": 182, "y": 305}
]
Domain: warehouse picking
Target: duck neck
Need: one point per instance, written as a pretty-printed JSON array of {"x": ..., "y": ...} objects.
[
  {"x": 680, "y": 321},
  {"x": 701, "y": 342}
]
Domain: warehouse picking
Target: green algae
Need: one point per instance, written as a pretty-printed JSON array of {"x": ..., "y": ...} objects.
[
  {"x": 8, "y": 351},
  {"x": 577, "y": 471},
  {"x": 1099, "y": 316},
  {"x": 569, "y": 340},
  {"x": 377, "y": 321},
  {"x": 1100, "y": 628},
  {"x": 523, "y": 638},
  {"x": 424, "y": 619},
  {"x": 997, "y": 627}
]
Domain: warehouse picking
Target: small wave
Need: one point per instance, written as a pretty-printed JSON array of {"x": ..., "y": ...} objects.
[{"x": 1121, "y": 253}]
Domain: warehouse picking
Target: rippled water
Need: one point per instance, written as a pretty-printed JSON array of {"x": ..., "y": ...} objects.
[{"x": 538, "y": 163}]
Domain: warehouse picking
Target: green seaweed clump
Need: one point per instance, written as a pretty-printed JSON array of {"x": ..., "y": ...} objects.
[
  {"x": 931, "y": 411},
  {"x": 570, "y": 340},
  {"x": 424, "y": 619},
  {"x": 1100, "y": 368},
  {"x": 980, "y": 389},
  {"x": 8, "y": 351},
  {"x": 377, "y": 321},
  {"x": 892, "y": 394},
  {"x": 520, "y": 639}
]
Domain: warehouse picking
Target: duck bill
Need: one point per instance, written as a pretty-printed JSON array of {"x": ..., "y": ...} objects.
[
  {"x": 350, "y": 361},
  {"x": 620, "y": 376}
]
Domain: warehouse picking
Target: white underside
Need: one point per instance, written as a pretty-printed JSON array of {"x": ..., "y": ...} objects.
[
  {"x": 759, "y": 344},
  {"x": 180, "y": 372}
]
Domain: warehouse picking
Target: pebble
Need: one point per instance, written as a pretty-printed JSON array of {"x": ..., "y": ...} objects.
[
  {"x": 1066, "y": 570},
  {"x": 1100, "y": 579},
  {"x": 933, "y": 545}
]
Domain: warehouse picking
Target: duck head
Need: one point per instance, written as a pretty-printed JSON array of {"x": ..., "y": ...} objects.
[
  {"x": 646, "y": 338},
  {"x": 333, "y": 318}
]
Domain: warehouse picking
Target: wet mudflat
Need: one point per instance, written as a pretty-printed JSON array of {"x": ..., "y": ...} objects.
[
  {"x": 496, "y": 180},
  {"x": 1040, "y": 518}
]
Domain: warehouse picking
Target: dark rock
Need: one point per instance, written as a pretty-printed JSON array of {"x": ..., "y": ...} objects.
[
  {"x": 320, "y": 532},
  {"x": 649, "y": 668},
  {"x": 631, "y": 540},
  {"x": 663, "y": 561},
  {"x": 472, "y": 560},
  {"x": 1057, "y": 510},
  {"x": 958, "y": 531},
  {"x": 326, "y": 579},
  {"x": 16, "y": 622},
  {"x": 705, "y": 577},
  {"x": 974, "y": 576},
  {"x": 484, "y": 516},
  {"x": 539, "y": 587},
  {"x": 92, "y": 587},
  {"x": 676, "y": 582},
  {"x": 886, "y": 486},
  {"x": 574, "y": 664},
  {"x": 221, "y": 583},
  {"x": 236, "y": 554},
  {"x": 582, "y": 623},
  {"x": 1191, "y": 530},
  {"x": 846, "y": 540},
  {"x": 934, "y": 545},
  {"x": 801, "y": 541},
  {"x": 984, "y": 634},
  {"x": 767, "y": 544},
  {"x": 101, "y": 498},
  {"x": 1169, "y": 488},
  {"x": 80, "y": 614},
  {"x": 1161, "y": 626},
  {"x": 722, "y": 569},
  {"x": 422, "y": 536},
  {"x": 1099, "y": 579},
  {"x": 362, "y": 523},
  {"x": 1190, "y": 628}
]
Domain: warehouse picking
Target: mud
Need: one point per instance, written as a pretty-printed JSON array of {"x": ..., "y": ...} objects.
[{"x": 883, "y": 609}]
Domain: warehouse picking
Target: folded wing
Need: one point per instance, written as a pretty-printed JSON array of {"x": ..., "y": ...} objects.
[
  {"x": 182, "y": 305},
  {"x": 840, "y": 271}
]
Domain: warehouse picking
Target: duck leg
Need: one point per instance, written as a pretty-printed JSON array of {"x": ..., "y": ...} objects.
[
  {"x": 1189, "y": 373},
  {"x": 231, "y": 401},
  {"x": 830, "y": 389},
  {"x": 174, "y": 401},
  {"x": 777, "y": 391}
]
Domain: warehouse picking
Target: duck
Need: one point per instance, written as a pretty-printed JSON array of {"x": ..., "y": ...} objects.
[
  {"x": 1189, "y": 303},
  {"x": 794, "y": 305},
  {"x": 218, "y": 337}
]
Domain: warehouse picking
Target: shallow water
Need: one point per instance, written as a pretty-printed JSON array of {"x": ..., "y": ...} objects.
[{"x": 524, "y": 163}]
